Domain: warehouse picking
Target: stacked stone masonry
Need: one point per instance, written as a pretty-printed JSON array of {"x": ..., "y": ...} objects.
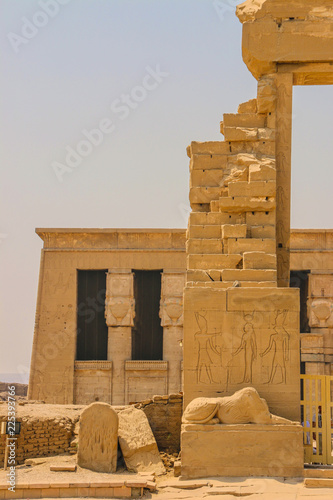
[
  {"x": 41, "y": 436},
  {"x": 232, "y": 229},
  {"x": 55, "y": 375},
  {"x": 48, "y": 430},
  {"x": 164, "y": 414}
]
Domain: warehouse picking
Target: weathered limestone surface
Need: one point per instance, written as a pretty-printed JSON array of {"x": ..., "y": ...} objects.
[
  {"x": 137, "y": 442},
  {"x": 243, "y": 407},
  {"x": 164, "y": 414},
  {"x": 54, "y": 376},
  {"x": 242, "y": 450},
  {"x": 237, "y": 337},
  {"x": 276, "y": 31},
  {"x": 98, "y": 438},
  {"x": 85, "y": 388},
  {"x": 144, "y": 379}
]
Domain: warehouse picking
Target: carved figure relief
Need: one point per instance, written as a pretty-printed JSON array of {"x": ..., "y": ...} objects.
[
  {"x": 279, "y": 346},
  {"x": 248, "y": 346},
  {"x": 171, "y": 304},
  {"x": 227, "y": 348},
  {"x": 119, "y": 311},
  {"x": 320, "y": 312},
  {"x": 119, "y": 301},
  {"x": 171, "y": 311},
  {"x": 206, "y": 351}
]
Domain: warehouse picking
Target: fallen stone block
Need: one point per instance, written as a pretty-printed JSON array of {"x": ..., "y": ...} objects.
[
  {"x": 63, "y": 468},
  {"x": 177, "y": 468},
  {"x": 137, "y": 442}
]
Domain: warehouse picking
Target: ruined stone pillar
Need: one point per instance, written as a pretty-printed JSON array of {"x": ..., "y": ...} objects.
[
  {"x": 284, "y": 91},
  {"x": 317, "y": 346},
  {"x": 119, "y": 314},
  {"x": 171, "y": 314}
]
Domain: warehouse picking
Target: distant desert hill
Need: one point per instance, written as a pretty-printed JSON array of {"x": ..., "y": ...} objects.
[{"x": 21, "y": 390}]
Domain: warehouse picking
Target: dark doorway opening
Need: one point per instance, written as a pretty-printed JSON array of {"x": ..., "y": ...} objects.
[
  {"x": 147, "y": 333},
  {"x": 92, "y": 330},
  {"x": 300, "y": 279}
]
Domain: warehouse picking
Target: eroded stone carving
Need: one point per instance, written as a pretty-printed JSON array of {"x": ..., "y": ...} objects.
[
  {"x": 320, "y": 312},
  {"x": 243, "y": 407},
  {"x": 171, "y": 304},
  {"x": 119, "y": 311},
  {"x": 248, "y": 346},
  {"x": 279, "y": 345},
  {"x": 98, "y": 438},
  {"x": 171, "y": 311},
  {"x": 119, "y": 302},
  {"x": 206, "y": 349}
]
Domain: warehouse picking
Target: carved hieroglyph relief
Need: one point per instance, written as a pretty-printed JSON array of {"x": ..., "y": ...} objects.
[
  {"x": 119, "y": 302},
  {"x": 240, "y": 364},
  {"x": 239, "y": 337},
  {"x": 171, "y": 311},
  {"x": 320, "y": 312},
  {"x": 206, "y": 350},
  {"x": 248, "y": 346},
  {"x": 171, "y": 304},
  {"x": 279, "y": 346}
]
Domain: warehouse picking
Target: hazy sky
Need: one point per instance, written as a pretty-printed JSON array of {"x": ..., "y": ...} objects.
[{"x": 73, "y": 73}]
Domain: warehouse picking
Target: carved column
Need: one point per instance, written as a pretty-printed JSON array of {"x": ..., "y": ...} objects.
[
  {"x": 119, "y": 314},
  {"x": 172, "y": 317},
  {"x": 317, "y": 346},
  {"x": 284, "y": 87}
]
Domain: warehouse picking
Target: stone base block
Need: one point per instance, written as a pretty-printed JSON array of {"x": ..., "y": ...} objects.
[{"x": 241, "y": 450}]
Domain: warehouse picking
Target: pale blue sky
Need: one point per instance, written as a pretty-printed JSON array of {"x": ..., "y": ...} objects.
[{"x": 64, "y": 80}]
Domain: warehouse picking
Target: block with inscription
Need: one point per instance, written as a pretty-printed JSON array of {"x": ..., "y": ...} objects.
[
  {"x": 98, "y": 438},
  {"x": 240, "y": 337}
]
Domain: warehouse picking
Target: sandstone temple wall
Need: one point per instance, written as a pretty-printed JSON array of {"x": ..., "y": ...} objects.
[
  {"x": 66, "y": 251},
  {"x": 56, "y": 376}
]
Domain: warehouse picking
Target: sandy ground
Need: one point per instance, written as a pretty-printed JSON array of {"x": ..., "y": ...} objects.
[
  {"x": 40, "y": 472},
  {"x": 170, "y": 488}
]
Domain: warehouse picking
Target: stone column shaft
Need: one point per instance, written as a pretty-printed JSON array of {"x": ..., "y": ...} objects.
[{"x": 284, "y": 84}]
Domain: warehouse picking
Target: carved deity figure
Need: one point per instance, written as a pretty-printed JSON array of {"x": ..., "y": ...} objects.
[
  {"x": 206, "y": 347},
  {"x": 249, "y": 346},
  {"x": 243, "y": 407},
  {"x": 279, "y": 345}
]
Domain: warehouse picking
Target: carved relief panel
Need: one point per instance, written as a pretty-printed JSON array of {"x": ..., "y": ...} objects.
[
  {"x": 242, "y": 337},
  {"x": 321, "y": 285},
  {"x": 119, "y": 301},
  {"x": 171, "y": 305},
  {"x": 320, "y": 312}
]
